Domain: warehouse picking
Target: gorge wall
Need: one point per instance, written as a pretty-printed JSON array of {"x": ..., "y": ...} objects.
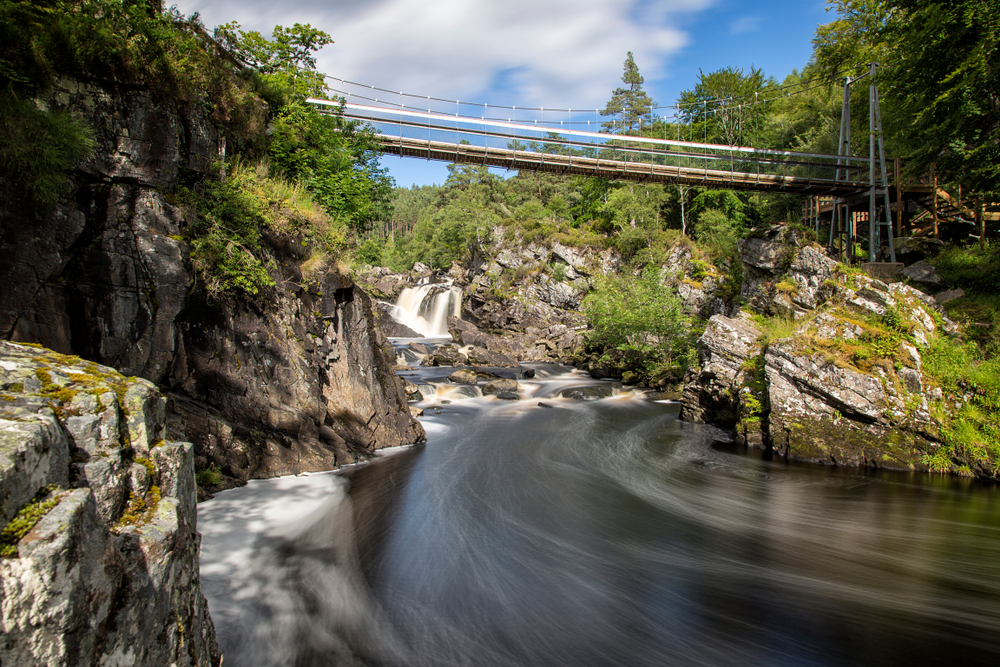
[{"x": 301, "y": 380}]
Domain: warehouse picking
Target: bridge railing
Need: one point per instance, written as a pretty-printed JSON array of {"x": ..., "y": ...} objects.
[{"x": 509, "y": 139}]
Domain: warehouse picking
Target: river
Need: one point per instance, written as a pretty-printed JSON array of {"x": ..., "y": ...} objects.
[{"x": 551, "y": 531}]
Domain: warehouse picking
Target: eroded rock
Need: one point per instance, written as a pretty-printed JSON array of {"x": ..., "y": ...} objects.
[{"x": 109, "y": 575}]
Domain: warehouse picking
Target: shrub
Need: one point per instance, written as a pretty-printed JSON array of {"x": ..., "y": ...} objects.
[
  {"x": 230, "y": 218},
  {"x": 640, "y": 315},
  {"x": 38, "y": 149}
]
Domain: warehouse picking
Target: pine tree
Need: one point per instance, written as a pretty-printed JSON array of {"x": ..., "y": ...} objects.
[{"x": 631, "y": 104}]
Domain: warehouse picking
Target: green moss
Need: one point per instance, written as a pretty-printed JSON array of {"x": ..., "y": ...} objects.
[
  {"x": 141, "y": 509},
  {"x": 147, "y": 464},
  {"x": 787, "y": 285},
  {"x": 26, "y": 519},
  {"x": 209, "y": 477}
]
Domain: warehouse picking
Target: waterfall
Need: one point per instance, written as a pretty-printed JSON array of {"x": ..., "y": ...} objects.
[{"x": 426, "y": 308}]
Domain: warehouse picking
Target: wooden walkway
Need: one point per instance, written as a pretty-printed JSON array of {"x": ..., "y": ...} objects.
[{"x": 615, "y": 169}]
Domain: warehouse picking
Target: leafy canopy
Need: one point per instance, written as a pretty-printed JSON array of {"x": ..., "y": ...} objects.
[
  {"x": 287, "y": 59},
  {"x": 940, "y": 78}
]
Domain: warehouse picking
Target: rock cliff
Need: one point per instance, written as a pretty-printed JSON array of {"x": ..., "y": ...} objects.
[
  {"x": 99, "y": 549},
  {"x": 845, "y": 384},
  {"x": 301, "y": 380}
]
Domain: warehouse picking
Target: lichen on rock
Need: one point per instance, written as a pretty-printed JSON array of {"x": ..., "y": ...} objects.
[{"x": 97, "y": 573}]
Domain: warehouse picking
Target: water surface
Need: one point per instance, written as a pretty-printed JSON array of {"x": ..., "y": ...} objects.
[{"x": 609, "y": 532}]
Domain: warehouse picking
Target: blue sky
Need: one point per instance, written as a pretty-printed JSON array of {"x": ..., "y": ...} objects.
[{"x": 540, "y": 53}]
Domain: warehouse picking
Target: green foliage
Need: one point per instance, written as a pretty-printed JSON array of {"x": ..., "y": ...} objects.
[
  {"x": 128, "y": 42},
  {"x": 774, "y": 327},
  {"x": 285, "y": 61},
  {"x": 38, "y": 149},
  {"x": 720, "y": 107},
  {"x": 337, "y": 160},
  {"x": 640, "y": 315},
  {"x": 716, "y": 233},
  {"x": 26, "y": 519},
  {"x": 971, "y": 433},
  {"x": 631, "y": 104},
  {"x": 229, "y": 221},
  {"x": 208, "y": 477},
  {"x": 941, "y": 62},
  {"x": 370, "y": 252},
  {"x": 975, "y": 270}
]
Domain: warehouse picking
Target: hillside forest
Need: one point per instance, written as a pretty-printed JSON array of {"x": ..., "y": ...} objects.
[{"x": 291, "y": 175}]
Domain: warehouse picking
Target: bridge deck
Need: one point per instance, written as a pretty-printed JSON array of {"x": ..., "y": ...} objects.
[{"x": 614, "y": 169}]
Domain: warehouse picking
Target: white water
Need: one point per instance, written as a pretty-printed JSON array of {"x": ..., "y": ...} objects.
[{"x": 426, "y": 308}]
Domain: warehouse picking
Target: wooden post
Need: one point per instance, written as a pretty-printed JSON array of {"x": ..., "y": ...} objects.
[
  {"x": 897, "y": 169},
  {"x": 981, "y": 222},
  {"x": 934, "y": 211}
]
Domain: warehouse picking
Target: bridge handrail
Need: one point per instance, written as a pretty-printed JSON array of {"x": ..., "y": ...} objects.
[{"x": 603, "y": 137}]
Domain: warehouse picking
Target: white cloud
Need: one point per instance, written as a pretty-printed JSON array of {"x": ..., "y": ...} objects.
[
  {"x": 746, "y": 24},
  {"x": 555, "y": 52}
]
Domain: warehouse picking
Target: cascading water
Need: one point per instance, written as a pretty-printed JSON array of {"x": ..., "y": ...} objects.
[{"x": 426, "y": 308}]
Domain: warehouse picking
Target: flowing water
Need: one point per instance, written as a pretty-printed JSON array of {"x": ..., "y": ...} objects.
[
  {"x": 552, "y": 531},
  {"x": 427, "y": 307}
]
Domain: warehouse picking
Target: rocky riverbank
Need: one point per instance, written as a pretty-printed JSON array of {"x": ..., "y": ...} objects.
[
  {"x": 810, "y": 359},
  {"x": 99, "y": 562}
]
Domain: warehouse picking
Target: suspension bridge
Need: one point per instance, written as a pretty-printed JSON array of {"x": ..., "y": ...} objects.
[
  {"x": 555, "y": 145},
  {"x": 846, "y": 190}
]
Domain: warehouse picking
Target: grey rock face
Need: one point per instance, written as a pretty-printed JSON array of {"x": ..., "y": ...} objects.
[
  {"x": 301, "y": 381},
  {"x": 824, "y": 395},
  {"x": 725, "y": 353},
  {"x": 827, "y": 414},
  {"x": 109, "y": 575}
]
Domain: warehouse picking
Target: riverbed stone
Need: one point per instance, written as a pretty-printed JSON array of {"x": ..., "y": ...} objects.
[
  {"x": 464, "y": 376},
  {"x": 502, "y": 388}
]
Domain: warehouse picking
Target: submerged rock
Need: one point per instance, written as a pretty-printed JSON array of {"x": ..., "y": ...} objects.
[{"x": 588, "y": 393}]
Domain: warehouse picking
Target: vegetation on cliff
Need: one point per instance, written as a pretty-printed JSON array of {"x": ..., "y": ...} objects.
[{"x": 285, "y": 170}]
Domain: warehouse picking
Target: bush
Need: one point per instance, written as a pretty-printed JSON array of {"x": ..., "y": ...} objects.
[
  {"x": 229, "y": 221},
  {"x": 971, "y": 434},
  {"x": 640, "y": 315},
  {"x": 716, "y": 233},
  {"x": 370, "y": 252},
  {"x": 38, "y": 149}
]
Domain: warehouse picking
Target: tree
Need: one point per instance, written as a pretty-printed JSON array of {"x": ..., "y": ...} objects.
[
  {"x": 287, "y": 59},
  {"x": 631, "y": 104},
  {"x": 724, "y": 105},
  {"x": 939, "y": 81}
]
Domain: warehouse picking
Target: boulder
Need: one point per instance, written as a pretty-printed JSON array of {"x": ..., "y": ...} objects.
[
  {"x": 481, "y": 357},
  {"x": 503, "y": 389},
  {"x": 445, "y": 355},
  {"x": 949, "y": 296},
  {"x": 825, "y": 413},
  {"x": 109, "y": 572},
  {"x": 587, "y": 393},
  {"x": 463, "y": 376},
  {"x": 726, "y": 354},
  {"x": 922, "y": 273}
]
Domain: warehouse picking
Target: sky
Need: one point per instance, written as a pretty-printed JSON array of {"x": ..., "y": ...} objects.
[{"x": 536, "y": 53}]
